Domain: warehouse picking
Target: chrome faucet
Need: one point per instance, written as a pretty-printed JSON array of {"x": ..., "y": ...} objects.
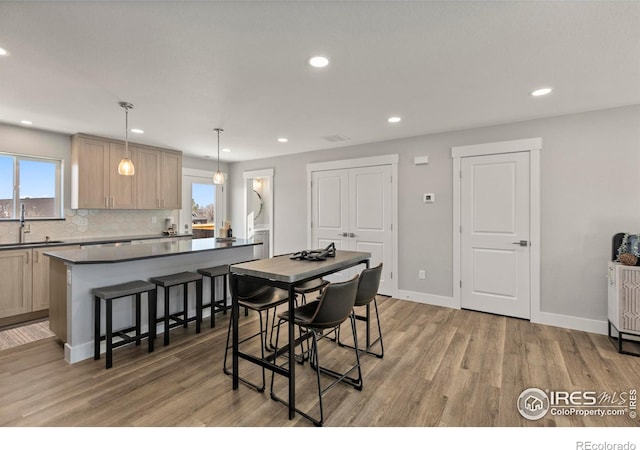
[{"x": 24, "y": 229}]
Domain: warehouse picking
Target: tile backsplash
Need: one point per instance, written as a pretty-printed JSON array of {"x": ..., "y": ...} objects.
[{"x": 90, "y": 223}]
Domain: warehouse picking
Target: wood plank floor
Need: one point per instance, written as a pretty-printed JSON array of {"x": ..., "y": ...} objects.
[{"x": 442, "y": 367}]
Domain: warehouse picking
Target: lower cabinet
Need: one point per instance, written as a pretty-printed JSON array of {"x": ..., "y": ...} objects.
[
  {"x": 24, "y": 281},
  {"x": 15, "y": 282},
  {"x": 40, "y": 274},
  {"x": 261, "y": 251}
]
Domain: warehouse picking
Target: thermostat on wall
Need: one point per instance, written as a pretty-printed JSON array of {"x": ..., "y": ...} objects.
[{"x": 428, "y": 198}]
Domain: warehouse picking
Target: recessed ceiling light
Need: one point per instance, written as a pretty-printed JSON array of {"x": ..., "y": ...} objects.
[
  {"x": 227, "y": 150},
  {"x": 3, "y": 52},
  {"x": 283, "y": 140},
  {"x": 542, "y": 91},
  {"x": 26, "y": 122},
  {"x": 319, "y": 61},
  {"x": 137, "y": 130},
  {"x": 394, "y": 119}
]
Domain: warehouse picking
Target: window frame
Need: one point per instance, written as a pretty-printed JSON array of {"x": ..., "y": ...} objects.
[{"x": 59, "y": 183}]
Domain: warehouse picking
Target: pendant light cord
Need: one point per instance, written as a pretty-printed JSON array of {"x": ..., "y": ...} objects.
[
  {"x": 126, "y": 132},
  {"x": 218, "y": 150}
]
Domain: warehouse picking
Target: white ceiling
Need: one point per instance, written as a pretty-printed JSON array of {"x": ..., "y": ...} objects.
[{"x": 189, "y": 67}]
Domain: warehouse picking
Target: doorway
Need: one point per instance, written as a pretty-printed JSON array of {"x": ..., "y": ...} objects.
[
  {"x": 353, "y": 204},
  {"x": 202, "y": 204},
  {"x": 497, "y": 228},
  {"x": 258, "y": 207}
]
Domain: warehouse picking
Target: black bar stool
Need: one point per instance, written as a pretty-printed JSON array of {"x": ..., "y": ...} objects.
[
  {"x": 216, "y": 305},
  {"x": 310, "y": 286},
  {"x": 110, "y": 293},
  {"x": 180, "y": 318}
]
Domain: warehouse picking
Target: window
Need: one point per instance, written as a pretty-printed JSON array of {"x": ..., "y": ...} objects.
[
  {"x": 203, "y": 199},
  {"x": 32, "y": 182}
]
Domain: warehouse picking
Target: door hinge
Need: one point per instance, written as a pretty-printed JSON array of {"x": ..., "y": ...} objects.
[
  {"x": 460, "y": 283},
  {"x": 460, "y": 228},
  {"x": 391, "y": 227},
  {"x": 460, "y": 173},
  {"x": 391, "y": 275},
  {"x": 391, "y": 179}
]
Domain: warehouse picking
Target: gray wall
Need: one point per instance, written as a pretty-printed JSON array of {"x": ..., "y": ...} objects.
[{"x": 589, "y": 191}]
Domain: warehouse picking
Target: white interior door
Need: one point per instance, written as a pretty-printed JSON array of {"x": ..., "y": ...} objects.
[
  {"x": 495, "y": 210},
  {"x": 352, "y": 208}
]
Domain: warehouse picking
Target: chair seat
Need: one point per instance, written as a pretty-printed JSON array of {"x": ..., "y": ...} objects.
[
  {"x": 311, "y": 286},
  {"x": 264, "y": 299},
  {"x": 123, "y": 290},
  {"x": 176, "y": 278},
  {"x": 301, "y": 315},
  {"x": 215, "y": 271}
]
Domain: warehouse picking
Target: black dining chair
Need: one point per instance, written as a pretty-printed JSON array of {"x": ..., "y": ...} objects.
[
  {"x": 252, "y": 295},
  {"x": 333, "y": 307},
  {"x": 367, "y": 291}
]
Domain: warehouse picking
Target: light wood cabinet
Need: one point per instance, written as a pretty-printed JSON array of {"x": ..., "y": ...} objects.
[
  {"x": 121, "y": 188},
  {"x": 171, "y": 180},
  {"x": 148, "y": 178},
  {"x": 89, "y": 177},
  {"x": 158, "y": 182},
  {"x": 96, "y": 184},
  {"x": 15, "y": 282},
  {"x": 95, "y": 181},
  {"x": 40, "y": 275}
]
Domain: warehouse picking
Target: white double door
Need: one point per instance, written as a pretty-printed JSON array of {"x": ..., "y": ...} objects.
[
  {"x": 352, "y": 208},
  {"x": 495, "y": 246}
]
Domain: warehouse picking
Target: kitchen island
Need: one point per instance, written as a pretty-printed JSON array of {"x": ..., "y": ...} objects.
[{"x": 74, "y": 273}]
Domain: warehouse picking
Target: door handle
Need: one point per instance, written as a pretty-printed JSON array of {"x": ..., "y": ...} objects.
[
  {"x": 352, "y": 235},
  {"x": 521, "y": 243},
  {"x": 343, "y": 234}
]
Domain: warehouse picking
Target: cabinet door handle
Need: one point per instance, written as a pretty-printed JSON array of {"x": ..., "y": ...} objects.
[
  {"x": 106, "y": 202},
  {"x": 27, "y": 261},
  {"x": 352, "y": 235},
  {"x": 35, "y": 256},
  {"x": 343, "y": 234},
  {"x": 113, "y": 202}
]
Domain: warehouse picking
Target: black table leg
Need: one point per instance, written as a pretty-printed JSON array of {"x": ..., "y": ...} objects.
[
  {"x": 292, "y": 359},
  {"x": 96, "y": 329},
  {"x": 235, "y": 311}
]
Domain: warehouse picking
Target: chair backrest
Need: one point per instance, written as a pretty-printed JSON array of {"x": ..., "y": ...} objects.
[
  {"x": 368, "y": 285},
  {"x": 335, "y": 304},
  {"x": 248, "y": 288}
]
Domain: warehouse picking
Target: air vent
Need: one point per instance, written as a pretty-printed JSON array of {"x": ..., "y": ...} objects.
[{"x": 336, "y": 138}]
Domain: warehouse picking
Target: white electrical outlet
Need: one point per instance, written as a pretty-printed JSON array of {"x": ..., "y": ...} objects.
[
  {"x": 153, "y": 219},
  {"x": 422, "y": 274}
]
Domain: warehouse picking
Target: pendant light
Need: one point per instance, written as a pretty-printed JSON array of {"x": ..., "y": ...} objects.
[
  {"x": 218, "y": 177},
  {"x": 126, "y": 165}
]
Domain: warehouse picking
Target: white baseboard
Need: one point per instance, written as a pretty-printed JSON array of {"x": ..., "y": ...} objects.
[
  {"x": 544, "y": 318},
  {"x": 428, "y": 299},
  {"x": 573, "y": 323}
]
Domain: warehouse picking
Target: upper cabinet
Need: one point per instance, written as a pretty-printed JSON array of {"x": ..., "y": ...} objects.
[
  {"x": 96, "y": 184},
  {"x": 158, "y": 179}
]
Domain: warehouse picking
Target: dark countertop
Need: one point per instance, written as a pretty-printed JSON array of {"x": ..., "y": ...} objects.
[
  {"x": 88, "y": 241},
  {"x": 107, "y": 255}
]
